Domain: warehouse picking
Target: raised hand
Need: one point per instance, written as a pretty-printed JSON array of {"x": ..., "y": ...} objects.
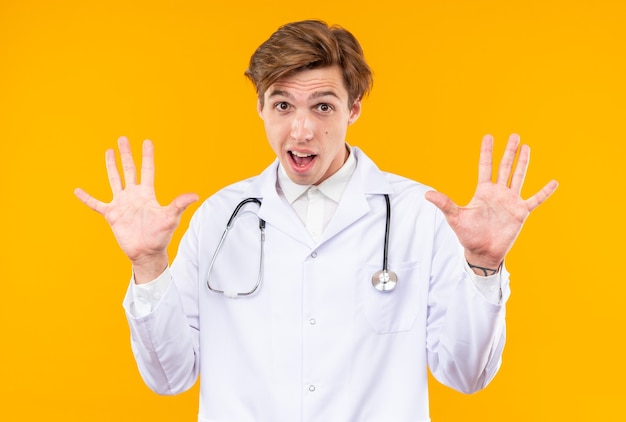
[
  {"x": 143, "y": 228},
  {"x": 488, "y": 226}
]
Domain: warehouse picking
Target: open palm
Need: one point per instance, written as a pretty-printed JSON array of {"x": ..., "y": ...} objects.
[
  {"x": 143, "y": 228},
  {"x": 488, "y": 226}
]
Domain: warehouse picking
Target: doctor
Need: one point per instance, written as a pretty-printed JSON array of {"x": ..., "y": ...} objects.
[{"x": 292, "y": 319}]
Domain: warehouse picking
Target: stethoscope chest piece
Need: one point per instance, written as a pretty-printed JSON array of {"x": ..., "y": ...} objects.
[{"x": 384, "y": 281}]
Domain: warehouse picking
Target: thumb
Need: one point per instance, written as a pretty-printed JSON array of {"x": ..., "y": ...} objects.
[
  {"x": 441, "y": 201},
  {"x": 181, "y": 202}
]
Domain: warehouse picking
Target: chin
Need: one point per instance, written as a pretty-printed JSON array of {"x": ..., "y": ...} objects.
[{"x": 301, "y": 180}]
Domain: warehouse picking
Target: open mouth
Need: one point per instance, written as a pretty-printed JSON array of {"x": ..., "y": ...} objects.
[{"x": 301, "y": 159}]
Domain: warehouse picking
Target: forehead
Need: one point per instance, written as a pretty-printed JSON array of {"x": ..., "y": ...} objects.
[{"x": 310, "y": 83}]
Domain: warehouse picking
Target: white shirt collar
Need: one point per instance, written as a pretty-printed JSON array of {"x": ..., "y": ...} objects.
[{"x": 332, "y": 187}]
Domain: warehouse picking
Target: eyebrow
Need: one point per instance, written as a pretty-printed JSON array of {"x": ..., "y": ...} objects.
[{"x": 317, "y": 94}]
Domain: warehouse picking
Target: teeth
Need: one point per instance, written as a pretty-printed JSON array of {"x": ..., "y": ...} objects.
[{"x": 299, "y": 154}]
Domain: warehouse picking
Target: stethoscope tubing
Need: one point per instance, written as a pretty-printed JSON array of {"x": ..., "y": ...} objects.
[
  {"x": 229, "y": 225},
  {"x": 387, "y": 228},
  {"x": 383, "y": 281}
]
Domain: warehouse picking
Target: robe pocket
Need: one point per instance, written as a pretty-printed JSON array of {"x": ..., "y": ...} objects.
[{"x": 396, "y": 310}]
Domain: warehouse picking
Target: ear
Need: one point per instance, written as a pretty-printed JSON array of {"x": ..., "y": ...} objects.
[
  {"x": 355, "y": 111},
  {"x": 259, "y": 108}
]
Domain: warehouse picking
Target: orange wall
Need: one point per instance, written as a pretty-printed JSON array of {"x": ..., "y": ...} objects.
[{"x": 75, "y": 75}]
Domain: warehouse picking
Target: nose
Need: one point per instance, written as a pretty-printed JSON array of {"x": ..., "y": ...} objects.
[{"x": 301, "y": 127}]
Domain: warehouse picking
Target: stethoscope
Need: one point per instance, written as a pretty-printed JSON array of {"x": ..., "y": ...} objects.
[{"x": 383, "y": 280}]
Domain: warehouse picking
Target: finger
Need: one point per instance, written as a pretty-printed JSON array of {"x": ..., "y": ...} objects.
[
  {"x": 545, "y": 192},
  {"x": 508, "y": 159},
  {"x": 441, "y": 201},
  {"x": 114, "y": 176},
  {"x": 517, "y": 181},
  {"x": 128, "y": 164},
  {"x": 485, "y": 161},
  {"x": 147, "y": 164},
  {"x": 181, "y": 202},
  {"x": 90, "y": 201}
]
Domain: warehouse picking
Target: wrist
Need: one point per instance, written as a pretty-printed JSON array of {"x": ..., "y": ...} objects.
[
  {"x": 482, "y": 265},
  {"x": 484, "y": 271},
  {"x": 148, "y": 269}
]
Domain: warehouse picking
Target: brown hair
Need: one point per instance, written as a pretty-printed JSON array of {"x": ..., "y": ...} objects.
[{"x": 310, "y": 44}]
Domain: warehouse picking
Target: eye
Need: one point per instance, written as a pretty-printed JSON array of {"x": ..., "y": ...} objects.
[
  {"x": 281, "y": 106},
  {"x": 324, "y": 107}
]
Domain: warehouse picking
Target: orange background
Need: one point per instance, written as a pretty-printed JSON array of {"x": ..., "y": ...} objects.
[{"x": 75, "y": 75}]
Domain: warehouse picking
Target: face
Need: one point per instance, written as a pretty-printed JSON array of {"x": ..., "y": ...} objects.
[{"x": 306, "y": 117}]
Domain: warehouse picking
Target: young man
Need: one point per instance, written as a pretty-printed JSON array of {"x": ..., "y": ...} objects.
[{"x": 337, "y": 284}]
